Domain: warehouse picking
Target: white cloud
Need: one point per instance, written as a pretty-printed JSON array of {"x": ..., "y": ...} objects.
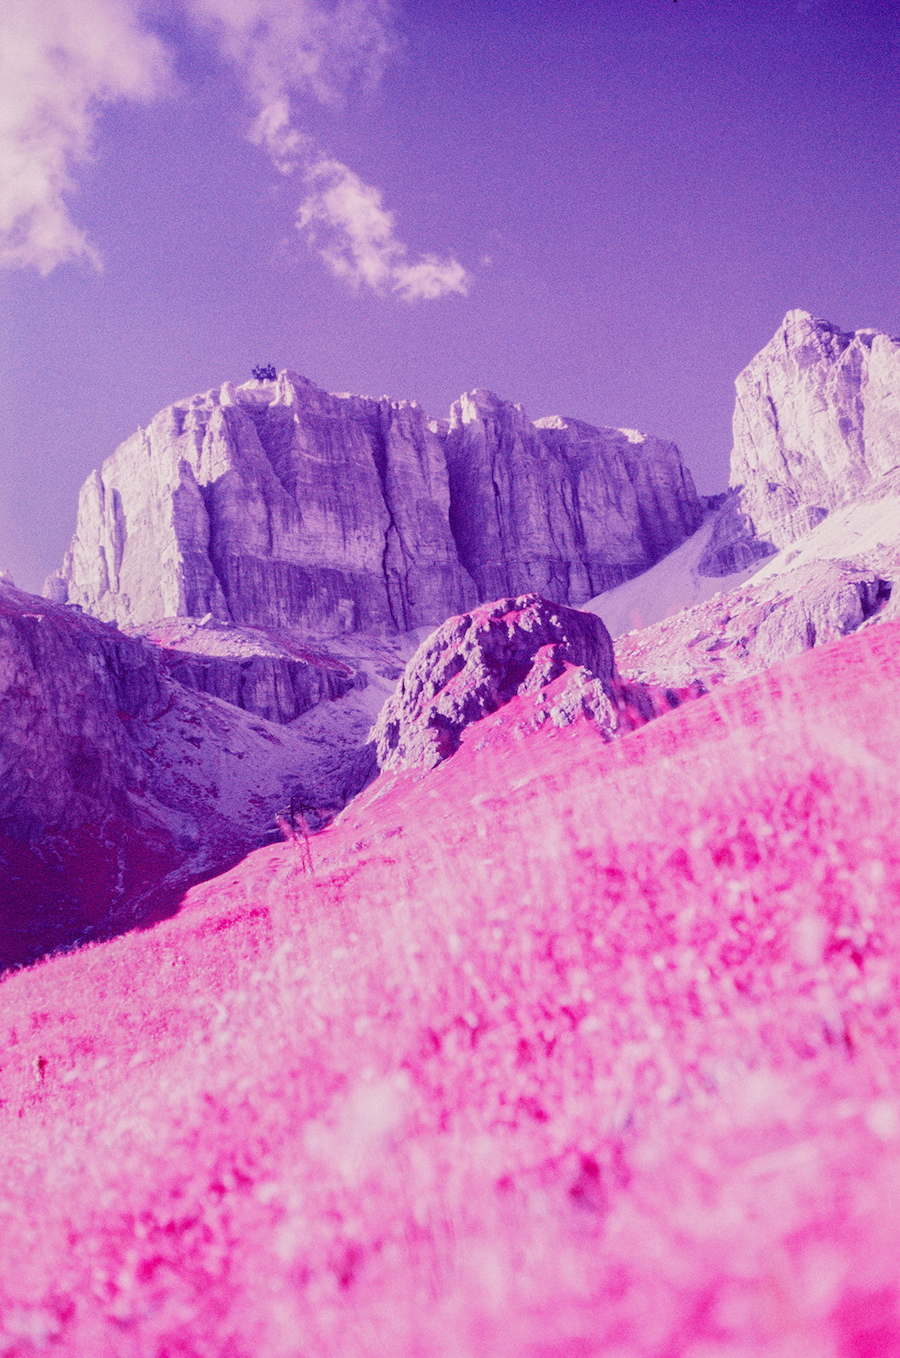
[
  {"x": 309, "y": 47},
  {"x": 346, "y": 221},
  {"x": 278, "y": 46},
  {"x": 286, "y": 145},
  {"x": 60, "y": 60}
]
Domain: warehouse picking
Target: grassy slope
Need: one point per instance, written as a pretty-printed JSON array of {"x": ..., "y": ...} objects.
[{"x": 567, "y": 1049}]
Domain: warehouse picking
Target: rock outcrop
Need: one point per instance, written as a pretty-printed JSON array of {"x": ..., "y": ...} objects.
[
  {"x": 557, "y": 659},
  {"x": 275, "y": 504},
  {"x": 118, "y": 785},
  {"x": 816, "y": 421},
  {"x": 755, "y": 626},
  {"x": 274, "y": 676}
]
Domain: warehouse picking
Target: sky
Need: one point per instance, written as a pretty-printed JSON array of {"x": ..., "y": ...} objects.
[{"x": 599, "y": 209}]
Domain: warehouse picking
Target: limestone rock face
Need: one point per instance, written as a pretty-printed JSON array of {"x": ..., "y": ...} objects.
[
  {"x": 733, "y": 544},
  {"x": 557, "y": 506},
  {"x": 559, "y": 661},
  {"x": 274, "y": 676},
  {"x": 275, "y": 504},
  {"x": 816, "y": 421},
  {"x": 118, "y": 785}
]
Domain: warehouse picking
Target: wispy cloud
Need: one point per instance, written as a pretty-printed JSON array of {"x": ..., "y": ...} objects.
[
  {"x": 282, "y": 46},
  {"x": 312, "y": 47},
  {"x": 60, "y": 62},
  {"x": 347, "y": 223}
]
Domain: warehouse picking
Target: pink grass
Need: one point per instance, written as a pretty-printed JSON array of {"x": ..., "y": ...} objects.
[{"x": 566, "y": 1049}]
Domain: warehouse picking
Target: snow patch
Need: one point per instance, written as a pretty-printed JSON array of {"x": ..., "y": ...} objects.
[{"x": 665, "y": 589}]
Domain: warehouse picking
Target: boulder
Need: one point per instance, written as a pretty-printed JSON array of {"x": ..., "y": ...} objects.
[{"x": 557, "y": 660}]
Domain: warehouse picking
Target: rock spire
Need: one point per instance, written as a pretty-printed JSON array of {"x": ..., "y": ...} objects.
[{"x": 816, "y": 422}]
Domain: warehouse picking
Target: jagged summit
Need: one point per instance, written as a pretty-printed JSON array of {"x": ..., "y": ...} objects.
[
  {"x": 816, "y": 424},
  {"x": 274, "y": 503},
  {"x": 817, "y": 419}
]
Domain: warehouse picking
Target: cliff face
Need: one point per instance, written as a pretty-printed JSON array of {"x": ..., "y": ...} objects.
[
  {"x": 275, "y": 677},
  {"x": 118, "y": 785},
  {"x": 816, "y": 421},
  {"x": 558, "y": 507},
  {"x": 272, "y": 503},
  {"x": 278, "y": 505}
]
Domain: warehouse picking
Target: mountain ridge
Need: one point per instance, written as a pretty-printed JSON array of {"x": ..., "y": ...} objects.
[{"x": 275, "y": 503}]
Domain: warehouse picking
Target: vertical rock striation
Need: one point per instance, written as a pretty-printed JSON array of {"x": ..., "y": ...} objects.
[
  {"x": 816, "y": 421},
  {"x": 278, "y": 505},
  {"x": 558, "y": 507},
  {"x": 273, "y": 503}
]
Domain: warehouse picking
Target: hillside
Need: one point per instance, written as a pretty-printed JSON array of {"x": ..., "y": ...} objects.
[{"x": 564, "y": 1048}]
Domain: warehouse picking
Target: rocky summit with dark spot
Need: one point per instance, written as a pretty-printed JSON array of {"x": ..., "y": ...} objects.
[{"x": 275, "y": 504}]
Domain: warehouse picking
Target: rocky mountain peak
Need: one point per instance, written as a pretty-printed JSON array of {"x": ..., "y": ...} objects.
[
  {"x": 803, "y": 331},
  {"x": 274, "y": 503},
  {"x": 816, "y": 422},
  {"x": 483, "y": 406}
]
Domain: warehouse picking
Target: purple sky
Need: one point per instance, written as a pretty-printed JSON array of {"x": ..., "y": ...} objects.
[{"x": 598, "y": 209}]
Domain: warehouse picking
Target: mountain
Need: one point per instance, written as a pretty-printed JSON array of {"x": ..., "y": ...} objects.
[
  {"x": 125, "y": 776},
  {"x": 557, "y": 507},
  {"x": 276, "y": 504},
  {"x": 574, "y": 1032},
  {"x": 816, "y": 423},
  {"x": 245, "y": 523}
]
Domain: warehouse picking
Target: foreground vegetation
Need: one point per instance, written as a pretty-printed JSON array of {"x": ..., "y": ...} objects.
[{"x": 564, "y": 1049}]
